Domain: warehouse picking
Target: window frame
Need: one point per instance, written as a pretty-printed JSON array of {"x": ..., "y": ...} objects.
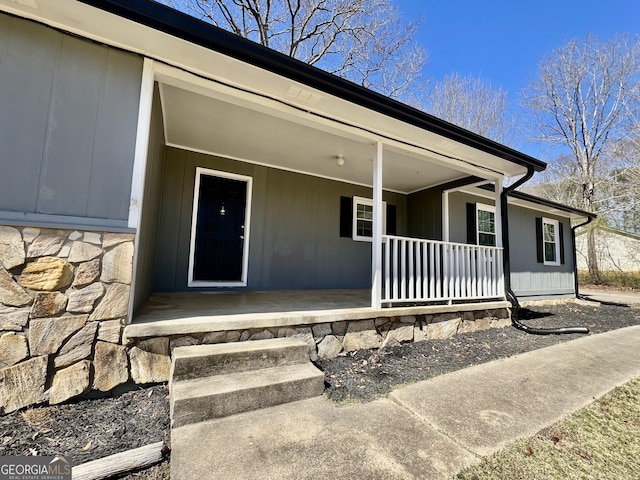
[
  {"x": 491, "y": 209},
  {"x": 354, "y": 221},
  {"x": 556, "y": 242}
]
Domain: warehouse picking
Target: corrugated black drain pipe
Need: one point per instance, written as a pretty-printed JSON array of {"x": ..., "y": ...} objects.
[
  {"x": 538, "y": 331},
  {"x": 507, "y": 270}
]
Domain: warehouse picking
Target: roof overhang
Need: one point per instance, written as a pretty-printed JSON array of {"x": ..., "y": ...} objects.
[
  {"x": 531, "y": 202},
  {"x": 228, "y": 96}
]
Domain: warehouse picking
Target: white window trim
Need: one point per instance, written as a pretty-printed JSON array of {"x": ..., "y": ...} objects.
[
  {"x": 556, "y": 232},
  {"x": 486, "y": 208},
  {"x": 194, "y": 220},
  {"x": 354, "y": 219}
]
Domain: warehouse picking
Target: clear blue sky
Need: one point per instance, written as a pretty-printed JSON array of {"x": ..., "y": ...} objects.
[{"x": 503, "y": 40}]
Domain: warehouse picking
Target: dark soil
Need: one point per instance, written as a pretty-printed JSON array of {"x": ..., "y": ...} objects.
[
  {"x": 89, "y": 429},
  {"x": 368, "y": 374},
  {"x": 92, "y": 429}
]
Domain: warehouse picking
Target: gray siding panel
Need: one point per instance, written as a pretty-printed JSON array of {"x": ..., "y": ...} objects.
[
  {"x": 458, "y": 214},
  {"x": 295, "y": 238},
  {"x": 150, "y": 218},
  {"x": 170, "y": 223},
  {"x": 64, "y": 186},
  {"x": 425, "y": 210},
  {"x": 26, "y": 72},
  {"x": 425, "y": 214},
  {"x": 68, "y": 125},
  {"x": 528, "y": 277},
  {"x": 114, "y": 145}
]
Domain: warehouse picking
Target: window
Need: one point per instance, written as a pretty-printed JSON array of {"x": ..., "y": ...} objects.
[
  {"x": 550, "y": 241},
  {"x": 363, "y": 218},
  {"x": 486, "y": 222}
]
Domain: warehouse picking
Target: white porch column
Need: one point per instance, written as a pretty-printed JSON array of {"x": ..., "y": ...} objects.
[
  {"x": 142, "y": 143},
  {"x": 498, "y": 215},
  {"x": 445, "y": 216},
  {"x": 376, "y": 247}
]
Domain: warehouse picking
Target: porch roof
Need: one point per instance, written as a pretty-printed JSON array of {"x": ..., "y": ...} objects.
[{"x": 272, "y": 109}]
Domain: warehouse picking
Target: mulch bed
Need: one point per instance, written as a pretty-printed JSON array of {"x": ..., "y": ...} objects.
[
  {"x": 91, "y": 429},
  {"x": 368, "y": 374}
]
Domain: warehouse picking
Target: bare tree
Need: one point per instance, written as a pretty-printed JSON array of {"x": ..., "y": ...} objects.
[
  {"x": 365, "y": 41},
  {"x": 585, "y": 101},
  {"x": 472, "y": 103}
]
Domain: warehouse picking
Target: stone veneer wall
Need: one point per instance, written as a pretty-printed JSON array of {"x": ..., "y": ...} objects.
[
  {"x": 64, "y": 299},
  {"x": 328, "y": 340}
]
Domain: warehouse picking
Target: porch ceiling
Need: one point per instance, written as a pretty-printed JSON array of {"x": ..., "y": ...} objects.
[{"x": 291, "y": 141}]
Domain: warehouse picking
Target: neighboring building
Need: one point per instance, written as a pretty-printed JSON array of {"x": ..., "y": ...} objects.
[
  {"x": 144, "y": 151},
  {"x": 618, "y": 251}
]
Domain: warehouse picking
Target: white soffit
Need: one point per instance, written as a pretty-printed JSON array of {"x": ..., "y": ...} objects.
[{"x": 210, "y": 125}]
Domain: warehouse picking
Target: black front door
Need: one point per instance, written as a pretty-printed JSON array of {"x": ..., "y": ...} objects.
[{"x": 219, "y": 242}]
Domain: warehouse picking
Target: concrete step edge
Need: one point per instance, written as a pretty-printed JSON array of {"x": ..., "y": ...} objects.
[
  {"x": 204, "y": 399},
  {"x": 197, "y": 361}
]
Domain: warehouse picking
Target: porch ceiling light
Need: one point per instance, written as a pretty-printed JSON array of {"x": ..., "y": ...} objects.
[{"x": 340, "y": 160}]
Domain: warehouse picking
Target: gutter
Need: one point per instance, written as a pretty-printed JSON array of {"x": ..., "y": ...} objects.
[{"x": 507, "y": 266}]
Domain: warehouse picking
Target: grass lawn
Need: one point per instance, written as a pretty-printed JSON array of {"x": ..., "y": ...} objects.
[{"x": 599, "y": 442}]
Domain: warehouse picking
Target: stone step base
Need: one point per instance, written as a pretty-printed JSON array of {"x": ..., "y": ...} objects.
[
  {"x": 199, "y": 361},
  {"x": 219, "y": 396}
]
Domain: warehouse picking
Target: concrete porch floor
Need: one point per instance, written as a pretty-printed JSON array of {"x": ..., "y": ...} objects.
[
  {"x": 185, "y": 313},
  {"x": 172, "y": 305}
]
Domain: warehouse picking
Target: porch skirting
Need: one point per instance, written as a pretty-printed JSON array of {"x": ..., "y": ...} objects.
[{"x": 331, "y": 332}]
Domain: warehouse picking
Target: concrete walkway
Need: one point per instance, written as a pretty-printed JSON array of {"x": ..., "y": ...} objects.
[
  {"x": 614, "y": 296},
  {"x": 429, "y": 430}
]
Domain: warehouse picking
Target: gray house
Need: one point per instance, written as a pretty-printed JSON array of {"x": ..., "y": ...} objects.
[{"x": 166, "y": 183}]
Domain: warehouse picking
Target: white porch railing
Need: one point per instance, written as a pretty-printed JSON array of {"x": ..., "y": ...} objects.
[{"x": 416, "y": 270}]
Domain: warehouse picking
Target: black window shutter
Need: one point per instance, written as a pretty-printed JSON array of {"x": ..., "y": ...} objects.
[
  {"x": 472, "y": 236},
  {"x": 391, "y": 220},
  {"x": 346, "y": 217},
  {"x": 561, "y": 240},
  {"x": 539, "y": 240}
]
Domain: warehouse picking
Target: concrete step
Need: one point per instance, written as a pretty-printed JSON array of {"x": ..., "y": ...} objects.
[
  {"x": 223, "y": 358},
  {"x": 202, "y": 399}
]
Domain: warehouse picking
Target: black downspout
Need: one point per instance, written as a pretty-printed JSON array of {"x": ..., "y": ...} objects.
[
  {"x": 507, "y": 267},
  {"x": 575, "y": 258}
]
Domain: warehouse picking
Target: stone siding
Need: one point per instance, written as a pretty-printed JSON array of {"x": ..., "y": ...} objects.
[
  {"x": 64, "y": 300},
  {"x": 328, "y": 340}
]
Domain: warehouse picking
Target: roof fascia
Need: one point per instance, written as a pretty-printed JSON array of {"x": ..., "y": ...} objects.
[
  {"x": 193, "y": 30},
  {"x": 542, "y": 202},
  {"x": 548, "y": 203}
]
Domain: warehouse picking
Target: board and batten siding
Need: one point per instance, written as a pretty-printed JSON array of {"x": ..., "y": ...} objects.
[
  {"x": 150, "y": 216},
  {"x": 68, "y": 122},
  {"x": 294, "y": 239},
  {"x": 529, "y": 279},
  {"x": 425, "y": 210}
]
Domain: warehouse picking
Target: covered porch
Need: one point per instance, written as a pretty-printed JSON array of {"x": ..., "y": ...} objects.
[{"x": 299, "y": 153}]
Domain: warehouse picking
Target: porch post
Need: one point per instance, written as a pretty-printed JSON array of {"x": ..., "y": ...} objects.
[
  {"x": 498, "y": 215},
  {"x": 376, "y": 248},
  {"x": 445, "y": 216}
]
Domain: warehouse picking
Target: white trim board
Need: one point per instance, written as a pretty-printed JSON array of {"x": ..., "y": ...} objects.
[{"x": 194, "y": 220}]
